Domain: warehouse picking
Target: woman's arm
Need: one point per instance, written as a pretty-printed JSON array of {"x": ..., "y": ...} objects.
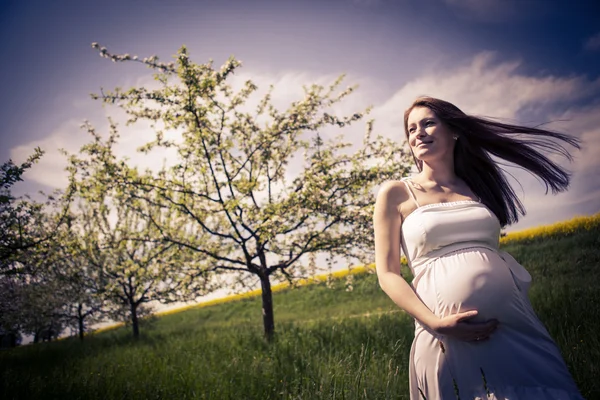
[{"x": 387, "y": 221}]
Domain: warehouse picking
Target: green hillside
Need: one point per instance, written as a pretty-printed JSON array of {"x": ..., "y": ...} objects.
[{"x": 330, "y": 343}]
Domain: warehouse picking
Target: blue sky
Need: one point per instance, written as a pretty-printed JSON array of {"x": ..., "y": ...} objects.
[{"x": 530, "y": 61}]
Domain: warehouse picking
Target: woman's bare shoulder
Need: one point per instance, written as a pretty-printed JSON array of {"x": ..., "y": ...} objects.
[
  {"x": 392, "y": 186},
  {"x": 392, "y": 193}
]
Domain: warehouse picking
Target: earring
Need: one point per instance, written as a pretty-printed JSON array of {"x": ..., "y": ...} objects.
[{"x": 454, "y": 137}]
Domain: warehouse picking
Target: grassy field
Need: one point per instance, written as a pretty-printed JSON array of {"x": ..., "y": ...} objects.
[{"x": 330, "y": 343}]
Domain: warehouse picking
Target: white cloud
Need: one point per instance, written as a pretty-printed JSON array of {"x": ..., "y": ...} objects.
[
  {"x": 592, "y": 43},
  {"x": 585, "y": 123},
  {"x": 50, "y": 169},
  {"x": 585, "y": 186},
  {"x": 70, "y": 136},
  {"x": 288, "y": 88},
  {"x": 484, "y": 87}
]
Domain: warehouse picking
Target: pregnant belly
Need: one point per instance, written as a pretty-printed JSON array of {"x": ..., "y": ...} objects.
[{"x": 470, "y": 279}]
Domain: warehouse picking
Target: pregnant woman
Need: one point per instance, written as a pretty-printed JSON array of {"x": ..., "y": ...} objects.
[{"x": 476, "y": 334}]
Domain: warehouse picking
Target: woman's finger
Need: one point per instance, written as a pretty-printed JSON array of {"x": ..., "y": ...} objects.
[{"x": 464, "y": 316}]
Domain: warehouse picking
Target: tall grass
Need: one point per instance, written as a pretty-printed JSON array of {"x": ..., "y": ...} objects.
[{"x": 330, "y": 343}]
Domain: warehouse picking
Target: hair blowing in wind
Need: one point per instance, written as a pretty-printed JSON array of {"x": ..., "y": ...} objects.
[{"x": 479, "y": 139}]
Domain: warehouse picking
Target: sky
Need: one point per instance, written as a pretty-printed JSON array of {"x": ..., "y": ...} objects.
[{"x": 524, "y": 61}]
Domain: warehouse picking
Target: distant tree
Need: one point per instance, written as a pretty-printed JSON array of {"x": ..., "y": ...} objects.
[
  {"x": 10, "y": 338},
  {"x": 29, "y": 298},
  {"x": 38, "y": 304},
  {"x": 17, "y": 233},
  {"x": 10, "y": 320},
  {"x": 53, "y": 290},
  {"x": 121, "y": 256},
  {"x": 26, "y": 225},
  {"x": 259, "y": 190},
  {"x": 78, "y": 284}
]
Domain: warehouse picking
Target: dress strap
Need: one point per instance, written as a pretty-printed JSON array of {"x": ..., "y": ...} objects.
[{"x": 412, "y": 195}]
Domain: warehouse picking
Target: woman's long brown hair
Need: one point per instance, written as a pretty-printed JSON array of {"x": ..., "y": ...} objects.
[{"x": 480, "y": 138}]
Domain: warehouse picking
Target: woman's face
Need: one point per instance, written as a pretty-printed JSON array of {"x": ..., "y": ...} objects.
[{"x": 428, "y": 136}]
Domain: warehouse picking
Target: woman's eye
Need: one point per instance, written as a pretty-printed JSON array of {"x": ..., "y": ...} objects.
[{"x": 429, "y": 123}]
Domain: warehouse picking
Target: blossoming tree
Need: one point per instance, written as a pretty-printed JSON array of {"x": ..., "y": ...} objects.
[{"x": 259, "y": 192}]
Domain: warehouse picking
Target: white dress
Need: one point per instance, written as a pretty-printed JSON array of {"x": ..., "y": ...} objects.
[{"x": 452, "y": 251}]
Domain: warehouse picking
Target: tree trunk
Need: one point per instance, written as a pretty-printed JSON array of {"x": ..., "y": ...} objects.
[
  {"x": 134, "y": 321},
  {"x": 80, "y": 320},
  {"x": 267, "y": 307}
]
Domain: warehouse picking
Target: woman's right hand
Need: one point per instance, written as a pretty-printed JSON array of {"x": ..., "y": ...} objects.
[{"x": 459, "y": 327}]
